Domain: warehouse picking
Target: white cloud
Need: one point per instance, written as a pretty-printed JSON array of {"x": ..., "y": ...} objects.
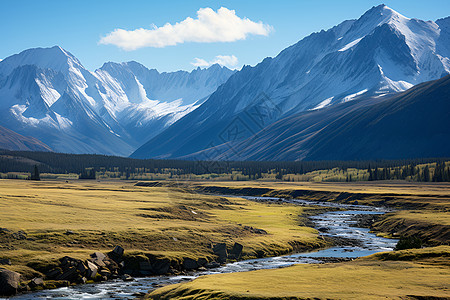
[
  {"x": 229, "y": 61},
  {"x": 210, "y": 26}
]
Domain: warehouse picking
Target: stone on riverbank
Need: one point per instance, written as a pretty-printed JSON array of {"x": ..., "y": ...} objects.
[
  {"x": 118, "y": 251},
  {"x": 91, "y": 269},
  {"x": 190, "y": 264},
  {"x": 220, "y": 250},
  {"x": 9, "y": 282},
  {"x": 35, "y": 282},
  {"x": 236, "y": 252},
  {"x": 161, "y": 266}
]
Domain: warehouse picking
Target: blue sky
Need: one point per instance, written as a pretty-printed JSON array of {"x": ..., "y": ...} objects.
[{"x": 78, "y": 26}]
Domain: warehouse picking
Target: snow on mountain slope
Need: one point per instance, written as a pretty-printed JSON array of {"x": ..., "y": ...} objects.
[
  {"x": 411, "y": 124},
  {"x": 382, "y": 52},
  {"x": 148, "y": 97},
  {"x": 48, "y": 94}
]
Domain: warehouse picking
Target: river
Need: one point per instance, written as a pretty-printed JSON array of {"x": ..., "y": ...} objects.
[{"x": 336, "y": 224}]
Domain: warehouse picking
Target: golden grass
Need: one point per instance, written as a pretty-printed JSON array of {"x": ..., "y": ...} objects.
[
  {"x": 373, "y": 187},
  {"x": 423, "y": 208},
  {"x": 160, "y": 220},
  {"x": 397, "y": 194},
  {"x": 406, "y": 274},
  {"x": 426, "y": 216},
  {"x": 366, "y": 278},
  {"x": 432, "y": 226}
]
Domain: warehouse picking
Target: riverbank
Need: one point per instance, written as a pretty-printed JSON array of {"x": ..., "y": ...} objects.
[
  {"x": 43, "y": 222},
  {"x": 407, "y": 274},
  {"x": 421, "y": 209},
  {"x": 353, "y": 242},
  {"x": 176, "y": 224}
]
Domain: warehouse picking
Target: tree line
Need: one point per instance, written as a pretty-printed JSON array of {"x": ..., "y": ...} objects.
[
  {"x": 440, "y": 173},
  {"x": 87, "y": 164}
]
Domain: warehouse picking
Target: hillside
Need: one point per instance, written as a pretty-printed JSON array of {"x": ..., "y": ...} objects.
[
  {"x": 412, "y": 124},
  {"x": 11, "y": 140}
]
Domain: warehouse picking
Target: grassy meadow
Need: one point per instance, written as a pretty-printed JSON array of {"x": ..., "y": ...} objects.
[
  {"x": 76, "y": 218},
  {"x": 42, "y": 221},
  {"x": 422, "y": 209},
  {"x": 411, "y": 274}
]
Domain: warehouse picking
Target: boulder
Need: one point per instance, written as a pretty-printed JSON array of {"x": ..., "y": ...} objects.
[
  {"x": 323, "y": 229},
  {"x": 35, "y": 282},
  {"x": 9, "y": 282},
  {"x": 118, "y": 251},
  {"x": 220, "y": 250},
  {"x": 161, "y": 266},
  {"x": 68, "y": 261},
  {"x": 98, "y": 262},
  {"x": 104, "y": 272},
  {"x": 190, "y": 264},
  {"x": 52, "y": 274},
  {"x": 111, "y": 265},
  {"x": 236, "y": 251},
  {"x": 91, "y": 269},
  {"x": 81, "y": 267},
  {"x": 202, "y": 261},
  {"x": 70, "y": 274},
  {"x": 99, "y": 256},
  {"x": 98, "y": 259},
  {"x": 5, "y": 261}
]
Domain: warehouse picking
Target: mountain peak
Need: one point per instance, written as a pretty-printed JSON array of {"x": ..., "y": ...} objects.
[
  {"x": 381, "y": 14},
  {"x": 216, "y": 66},
  {"x": 55, "y": 58},
  {"x": 382, "y": 8}
]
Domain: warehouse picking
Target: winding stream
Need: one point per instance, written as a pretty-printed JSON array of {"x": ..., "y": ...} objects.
[{"x": 336, "y": 224}]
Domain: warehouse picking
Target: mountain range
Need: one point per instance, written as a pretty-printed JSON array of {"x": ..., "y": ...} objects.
[
  {"x": 48, "y": 94},
  {"x": 381, "y": 53},
  {"x": 411, "y": 124},
  {"x": 289, "y": 107}
]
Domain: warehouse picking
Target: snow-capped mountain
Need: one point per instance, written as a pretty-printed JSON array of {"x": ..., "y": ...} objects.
[
  {"x": 48, "y": 94},
  {"x": 411, "y": 124},
  {"x": 178, "y": 93},
  {"x": 380, "y": 53}
]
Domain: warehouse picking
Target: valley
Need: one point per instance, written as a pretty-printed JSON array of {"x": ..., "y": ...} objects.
[
  {"x": 168, "y": 156},
  {"x": 174, "y": 222},
  {"x": 279, "y": 109}
]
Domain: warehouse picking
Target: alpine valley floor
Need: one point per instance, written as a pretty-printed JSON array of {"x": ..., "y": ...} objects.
[
  {"x": 422, "y": 210},
  {"x": 44, "y": 221},
  {"x": 175, "y": 221},
  {"x": 407, "y": 274}
]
